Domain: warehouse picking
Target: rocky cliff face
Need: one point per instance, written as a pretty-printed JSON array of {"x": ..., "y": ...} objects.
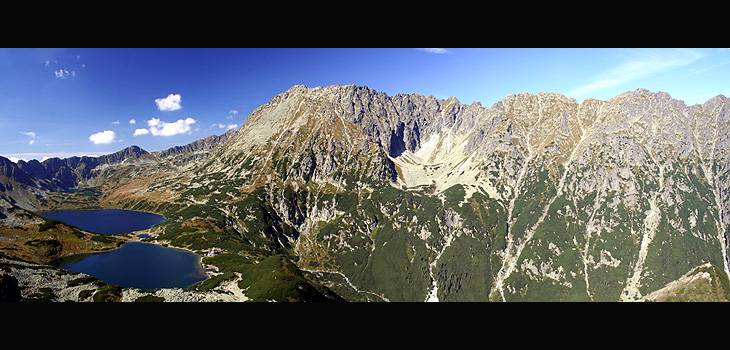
[{"x": 538, "y": 197}]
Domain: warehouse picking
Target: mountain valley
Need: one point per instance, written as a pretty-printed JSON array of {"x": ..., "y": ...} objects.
[{"x": 343, "y": 193}]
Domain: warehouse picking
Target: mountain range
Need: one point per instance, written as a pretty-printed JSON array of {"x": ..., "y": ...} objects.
[{"x": 361, "y": 196}]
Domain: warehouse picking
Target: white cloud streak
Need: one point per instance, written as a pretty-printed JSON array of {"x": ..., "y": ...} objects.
[
  {"x": 436, "y": 50},
  {"x": 43, "y": 156},
  {"x": 169, "y": 103},
  {"x": 642, "y": 65},
  {"x": 31, "y": 134},
  {"x": 103, "y": 137}
]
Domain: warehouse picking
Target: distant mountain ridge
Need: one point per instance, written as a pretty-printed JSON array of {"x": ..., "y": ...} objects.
[
  {"x": 205, "y": 143},
  {"x": 63, "y": 174}
]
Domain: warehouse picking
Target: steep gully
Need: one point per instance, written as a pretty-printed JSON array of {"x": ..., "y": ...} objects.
[{"x": 514, "y": 247}]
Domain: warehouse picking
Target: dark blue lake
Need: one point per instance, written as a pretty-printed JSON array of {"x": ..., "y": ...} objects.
[
  {"x": 106, "y": 220},
  {"x": 142, "y": 265},
  {"x": 134, "y": 264}
]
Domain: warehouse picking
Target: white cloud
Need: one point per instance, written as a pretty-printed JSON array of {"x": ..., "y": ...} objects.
[
  {"x": 31, "y": 134},
  {"x": 141, "y": 132},
  {"x": 169, "y": 103},
  {"x": 643, "y": 64},
  {"x": 160, "y": 128},
  {"x": 66, "y": 68},
  {"x": 706, "y": 69},
  {"x": 132, "y": 121},
  {"x": 115, "y": 122},
  {"x": 227, "y": 127},
  {"x": 434, "y": 50},
  {"x": 103, "y": 137},
  {"x": 63, "y": 73}
]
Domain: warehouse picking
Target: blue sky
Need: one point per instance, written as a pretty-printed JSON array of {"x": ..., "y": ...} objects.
[{"x": 60, "y": 102}]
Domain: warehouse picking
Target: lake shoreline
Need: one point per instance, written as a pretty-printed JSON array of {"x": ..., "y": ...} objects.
[
  {"x": 33, "y": 280},
  {"x": 108, "y": 218},
  {"x": 106, "y": 221},
  {"x": 210, "y": 270}
]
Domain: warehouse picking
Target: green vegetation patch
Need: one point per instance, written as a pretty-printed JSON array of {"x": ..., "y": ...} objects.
[
  {"x": 214, "y": 281},
  {"x": 108, "y": 293},
  {"x": 716, "y": 289},
  {"x": 277, "y": 278},
  {"x": 149, "y": 298},
  {"x": 83, "y": 280},
  {"x": 49, "y": 224}
]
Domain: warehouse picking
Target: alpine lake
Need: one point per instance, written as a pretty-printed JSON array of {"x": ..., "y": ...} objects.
[{"x": 134, "y": 264}]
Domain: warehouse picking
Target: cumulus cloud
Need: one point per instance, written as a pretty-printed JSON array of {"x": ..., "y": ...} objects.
[
  {"x": 157, "y": 127},
  {"x": 169, "y": 103},
  {"x": 132, "y": 121},
  {"x": 160, "y": 128},
  {"x": 103, "y": 137},
  {"x": 141, "y": 132}
]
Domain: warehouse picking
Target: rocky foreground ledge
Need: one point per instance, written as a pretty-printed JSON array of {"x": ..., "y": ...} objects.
[{"x": 27, "y": 282}]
